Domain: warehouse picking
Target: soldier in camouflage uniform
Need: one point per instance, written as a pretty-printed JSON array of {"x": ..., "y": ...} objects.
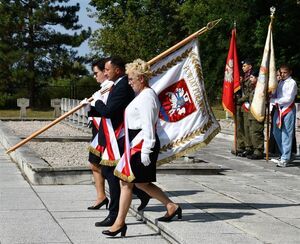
[
  {"x": 243, "y": 103},
  {"x": 240, "y": 125},
  {"x": 256, "y": 128}
]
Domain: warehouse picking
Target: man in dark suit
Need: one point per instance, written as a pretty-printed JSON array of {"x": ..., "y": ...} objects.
[{"x": 119, "y": 97}]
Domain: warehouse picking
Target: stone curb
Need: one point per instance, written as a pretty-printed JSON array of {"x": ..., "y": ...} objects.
[
  {"x": 40, "y": 172},
  {"x": 37, "y": 170}
]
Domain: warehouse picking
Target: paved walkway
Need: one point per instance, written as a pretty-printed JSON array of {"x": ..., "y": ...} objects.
[{"x": 250, "y": 202}]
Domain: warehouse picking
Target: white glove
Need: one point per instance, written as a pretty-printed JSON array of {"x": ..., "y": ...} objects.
[
  {"x": 84, "y": 102},
  {"x": 145, "y": 159},
  {"x": 87, "y": 105},
  {"x": 96, "y": 96}
]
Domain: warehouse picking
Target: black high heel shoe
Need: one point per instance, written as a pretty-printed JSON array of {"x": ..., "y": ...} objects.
[
  {"x": 170, "y": 217},
  {"x": 104, "y": 202},
  {"x": 122, "y": 230}
]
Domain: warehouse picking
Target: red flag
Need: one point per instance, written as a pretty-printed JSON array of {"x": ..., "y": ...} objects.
[{"x": 231, "y": 77}]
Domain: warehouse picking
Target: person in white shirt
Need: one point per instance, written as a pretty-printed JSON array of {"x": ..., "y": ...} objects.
[
  {"x": 141, "y": 116},
  {"x": 94, "y": 156},
  {"x": 285, "y": 115}
]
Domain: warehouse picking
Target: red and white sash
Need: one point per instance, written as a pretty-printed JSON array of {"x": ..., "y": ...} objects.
[
  {"x": 123, "y": 168},
  {"x": 282, "y": 112},
  {"x": 94, "y": 146},
  {"x": 246, "y": 106},
  {"x": 111, "y": 151}
]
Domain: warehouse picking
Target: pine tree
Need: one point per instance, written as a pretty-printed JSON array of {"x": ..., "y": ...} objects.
[{"x": 31, "y": 49}]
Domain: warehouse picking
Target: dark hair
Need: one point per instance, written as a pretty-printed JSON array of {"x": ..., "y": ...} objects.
[
  {"x": 100, "y": 63},
  {"x": 247, "y": 61},
  {"x": 117, "y": 61},
  {"x": 285, "y": 66}
]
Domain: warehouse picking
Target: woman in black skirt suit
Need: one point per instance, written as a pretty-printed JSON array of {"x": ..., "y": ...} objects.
[{"x": 141, "y": 116}]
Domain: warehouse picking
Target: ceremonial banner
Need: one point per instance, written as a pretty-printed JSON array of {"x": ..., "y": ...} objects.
[
  {"x": 266, "y": 79},
  {"x": 186, "y": 121},
  {"x": 231, "y": 77}
]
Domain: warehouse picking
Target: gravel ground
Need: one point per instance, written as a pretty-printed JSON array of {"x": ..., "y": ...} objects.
[
  {"x": 26, "y": 128},
  {"x": 56, "y": 154},
  {"x": 67, "y": 154}
]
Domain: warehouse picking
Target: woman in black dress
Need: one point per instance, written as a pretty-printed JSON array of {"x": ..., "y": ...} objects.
[{"x": 141, "y": 116}]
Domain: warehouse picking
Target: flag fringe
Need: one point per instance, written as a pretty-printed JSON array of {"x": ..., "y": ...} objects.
[
  {"x": 123, "y": 176},
  {"x": 94, "y": 151},
  {"x": 226, "y": 109},
  {"x": 236, "y": 89},
  {"x": 107, "y": 162}
]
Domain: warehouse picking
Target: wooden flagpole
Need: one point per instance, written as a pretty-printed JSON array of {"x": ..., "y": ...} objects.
[
  {"x": 235, "y": 115},
  {"x": 73, "y": 110},
  {"x": 209, "y": 26},
  {"x": 272, "y": 10}
]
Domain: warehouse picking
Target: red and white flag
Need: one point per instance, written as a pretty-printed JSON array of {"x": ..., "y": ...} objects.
[
  {"x": 266, "y": 79},
  {"x": 186, "y": 122},
  {"x": 231, "y": 77}
]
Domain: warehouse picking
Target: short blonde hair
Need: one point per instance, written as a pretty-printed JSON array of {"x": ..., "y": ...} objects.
[{"x": 139, "y": 68}]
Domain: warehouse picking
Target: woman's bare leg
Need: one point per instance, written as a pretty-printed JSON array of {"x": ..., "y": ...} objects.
[
  {"x": 125, "y": 201},
  {"x": 99, "y": 183},
  {"x": 155, "y": 192}
]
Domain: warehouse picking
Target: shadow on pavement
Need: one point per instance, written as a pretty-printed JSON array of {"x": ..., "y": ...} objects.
[{"x": 215, "y": 216}]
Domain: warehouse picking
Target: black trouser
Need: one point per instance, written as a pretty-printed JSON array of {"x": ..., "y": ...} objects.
[{"x": 114, "y": 190}]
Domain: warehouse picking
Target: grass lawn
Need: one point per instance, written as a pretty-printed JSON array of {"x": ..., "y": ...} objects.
[
  {"x": 30, "y": 113},
  {"x": 217, "y": 109}
]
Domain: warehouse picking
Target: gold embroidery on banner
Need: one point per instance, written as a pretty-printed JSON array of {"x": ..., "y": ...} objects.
[
  {"x": 194, "y": 80},
  {"x": 194, "y": 77},
  {"x": 190, "y": 149},
  {"x": 188, "y": 137},
  {"x": 170, "y": 64}
]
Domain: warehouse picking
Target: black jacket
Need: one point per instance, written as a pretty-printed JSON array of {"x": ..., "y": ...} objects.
[{"x": 118, "y": 99}]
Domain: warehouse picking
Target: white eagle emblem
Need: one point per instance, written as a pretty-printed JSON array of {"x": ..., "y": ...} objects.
[
  {"x": 229, "y": 71},
  {"x": 178, "y": 99}
]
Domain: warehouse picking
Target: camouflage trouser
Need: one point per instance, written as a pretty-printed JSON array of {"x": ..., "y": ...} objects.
[
  {"x": 257, "y": 136},
  {"x": 247, "y": 139},
  {"x": 240, "y": 137}
]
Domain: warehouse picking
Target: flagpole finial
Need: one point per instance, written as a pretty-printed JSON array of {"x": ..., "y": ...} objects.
[
  {"x": 212, "y": 24},
  {"x": 272, "y": 10}
]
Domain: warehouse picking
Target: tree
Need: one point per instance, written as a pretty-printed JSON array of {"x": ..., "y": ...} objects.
[
  {"x": 252, "y": 19},
  {"x": 9, "y": 54},
  {"x": 145, "y": 28},
  {"x": 136, "y": 29},
  {"x": 31, "y": 46}
]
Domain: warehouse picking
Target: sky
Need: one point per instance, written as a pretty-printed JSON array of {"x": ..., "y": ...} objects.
[{"x": 85, "y": 21}]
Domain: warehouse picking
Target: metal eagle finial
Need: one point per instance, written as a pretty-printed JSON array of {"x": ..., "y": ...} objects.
[{"x": 272, "y": 10}]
